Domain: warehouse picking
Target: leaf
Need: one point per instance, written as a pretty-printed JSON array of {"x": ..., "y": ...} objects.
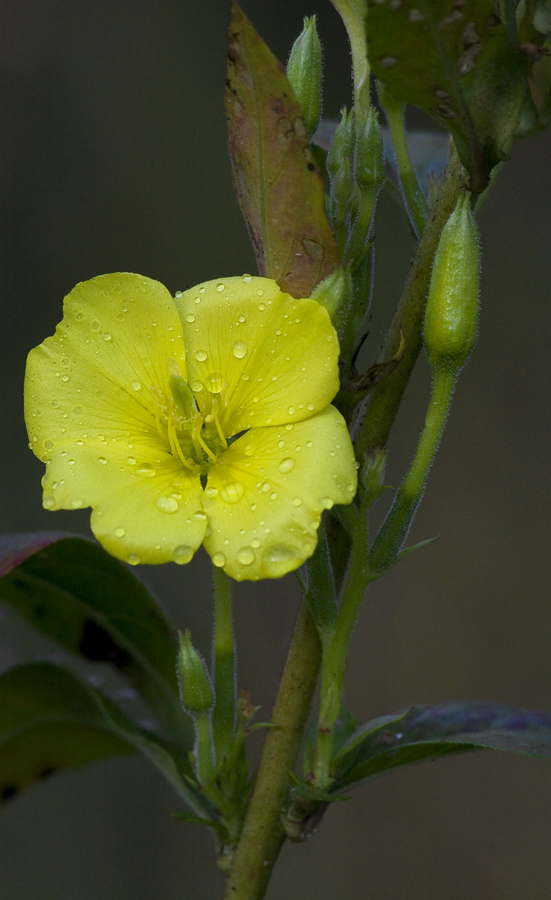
[
  {"x": 48, "y": 722},
  {"x": 454, "y": 60},
  {"x": 428, "y": 732},
  {"x": 275, "y": 177},
  {"x": 71, "y": 590}
]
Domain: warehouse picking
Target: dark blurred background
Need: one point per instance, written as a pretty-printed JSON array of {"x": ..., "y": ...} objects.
[{"x": 113, "y": 157}]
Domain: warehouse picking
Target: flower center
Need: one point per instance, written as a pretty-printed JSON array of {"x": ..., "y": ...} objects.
[{"x": 194, "y": 436}]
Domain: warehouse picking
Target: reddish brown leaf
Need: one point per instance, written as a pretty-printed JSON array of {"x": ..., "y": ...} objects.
[{"x": 276, "y": 179}]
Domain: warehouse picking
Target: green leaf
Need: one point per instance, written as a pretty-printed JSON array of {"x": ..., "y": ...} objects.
[
  {"x": 71, "y": 590},
  {"x": 49, "y": 722},
  {"x": 456, "y": 62},
  {"x": 429, "y": 732},
  {"x": 275, "y": 176}
]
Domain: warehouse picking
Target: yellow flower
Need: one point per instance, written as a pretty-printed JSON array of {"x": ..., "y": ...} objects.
[{"x": 199, "y": 419}]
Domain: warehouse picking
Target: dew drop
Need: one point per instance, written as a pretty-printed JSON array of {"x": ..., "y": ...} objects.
[
  {"x": 54, "y": 404},
  {"x": 200, "y": 355},
  {"x": 310, "y": 406},
  {"x": 65, "y": 378},
  {"x": 241, "y": 319},
  {"x": 191, "y": 319},
  {"x": 273, "y": 496},
  {"x": 182, "y": 554},
  {"x": 77, "y": 504},
  {"x": 255, "y": 543},
  {"x": 166, "y": 504},
  {"x": 297, "y": 501},
  {"x": 246, "y": 556},
  {"x": 262, "y": 307},
  {"x": 280, "y": 553},
  {"x": 288, "y": 427},
  {"x": 246, "y": 278},
  {"x": 49, "y": 445},
  {"x": 266, "y": 487},
  {"x": 131, "y": 460},
  {"x": 134, "y": 559},
  {"x": 120, "y": 532},
  {"x": 135, "y": 385},
  {"x": 48, "y": 503},
  {"x": 239, "y": 349},
  {"x": 215, "y": 382},
  {"x": 211, "y": 493},
  {"x": 95, "y": 326},
  {"x": 220, "y": 287},
  {"x": 309, "y": 444},
  {"x": 178, "y": 294},
  {"x": 219, "y": 560},
  {"x": 70, "y": 462},
  {"x": 287, "y": 465},
  {"x": 291, "y": 410},
  {"x": 106, "y": 336},
  {"x": 327, "y": 503},
  {"x": 196, "y": 386},
  {"x": 233, "y": 492},
  {"x": 102, "y": 460},
  {"x": 200, "y": 516},
  {"x": 146, "y": 469}
]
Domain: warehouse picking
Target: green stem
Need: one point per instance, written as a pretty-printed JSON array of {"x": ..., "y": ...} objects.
[
  {"x": 387, "y": 544},
  {"x": 203, "y": 749},
  {"x": 385, "y": 399},
  {"x": 353, "y": 15},
  {"x": 263, "y": 834},
  {"x": 336, "y": 651},
  {"x": 416, "y": 205},
  {"x": 223, "y": 714}
]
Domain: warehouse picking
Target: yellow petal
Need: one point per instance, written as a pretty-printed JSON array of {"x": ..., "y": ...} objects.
[
  {"x": 267, "y": 491},
  {"x": 270, "y": 358},
  {"x": 92, "y": 380},
  {"x": 91, "y": 417}
]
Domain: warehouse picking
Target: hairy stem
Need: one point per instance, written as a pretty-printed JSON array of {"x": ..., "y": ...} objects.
[{"x": 262, "y": 834}]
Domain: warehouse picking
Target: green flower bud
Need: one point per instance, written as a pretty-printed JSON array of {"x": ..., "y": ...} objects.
[
  {"x": 369, "y": 161},
  {"x": 195, "y": 687},
  {"x": 304, "y": 71},
  {"x": 335, "y": 293},
  {"x": 451, "y": 317},
  {"x": 342, "y": 145}
]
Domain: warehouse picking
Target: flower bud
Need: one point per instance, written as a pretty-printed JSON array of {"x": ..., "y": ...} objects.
[
  {"x": 304, "y": 71},
  {"x": 342, "y": 145},
  {"x": 369, "y": 161},
  {"x": 335, "y": 293},
  {"x": 451, "y": 316},
  {"x": 195, "y": 687}
]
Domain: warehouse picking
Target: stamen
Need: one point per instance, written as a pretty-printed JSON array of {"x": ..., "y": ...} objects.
[
  {"x": 175, "y": 446},
  {"x": 198, "y": 440},
  {"x": 217, "y": 423}
]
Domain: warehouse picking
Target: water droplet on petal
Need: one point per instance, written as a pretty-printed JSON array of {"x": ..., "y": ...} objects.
[
  {"x": 134, "y": 559},
  {"x": 95, "y": 326},
  {"x": 196, "y": 386},
  {"x": 220, "y": 287},
  {"x": 255, "y": 543},
  {"x": 297, "y": 501},
  {"x": 215, "y": 382},
  {"x": 200, "y": 355},
  {"x": 327, "y": 503},
  {"x": 291, "y": 410},
  {"x": 266, "y": 487},
  {"x": 48, "y": 503},
  {"x": 246, "y": 278},
  {"x": 246, "y": 556},
  {"x": 106, "y": 336},
  {"x": 135, "y": 385},
  {"x": 239, "y": 349},
  {"x": 65, "y": 378},
  {"x": 120, "y": 532},
  {"x": 309, "y": 443},
  {"x": 211, "y": 493},
  {"x": 280, "y": 553},
  {"x": 146, "y": 469},
  {"x": 102, "y": 460},
  {"x": 49, "y": 445},
  {"x": 287, "y": 465},
  {"x": 166, "y": 504},
  {"x": 182, "y": 554},
  {"x": 219, "y": 560},
  {"x": 233, "y": 492},
  {"x": 191, "y": 319},
  {"x": 131, "y": 460}
]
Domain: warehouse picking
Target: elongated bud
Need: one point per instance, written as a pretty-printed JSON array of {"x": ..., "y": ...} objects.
[
  {"x": 304, "y": 71},
  {"x": 369, "y": 161},
  {"x": 451, "y": 317},
  {"x": 195, "y": 687},
  {"x": 342, "y": 145}
]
